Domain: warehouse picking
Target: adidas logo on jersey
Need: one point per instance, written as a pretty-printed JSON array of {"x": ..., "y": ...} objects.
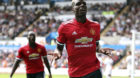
[
  {"x": 27, "y": 51},
  {"x": 74, "y": 33}
]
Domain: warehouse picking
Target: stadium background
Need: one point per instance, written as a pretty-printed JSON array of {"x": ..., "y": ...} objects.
[{"x": 118, "y": 18}]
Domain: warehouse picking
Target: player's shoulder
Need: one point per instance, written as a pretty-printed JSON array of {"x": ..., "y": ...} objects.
[
  {"x": 94, "y": 22},
  {"x": 40, "y": 45},
  {"x": 65, "y": 23}
]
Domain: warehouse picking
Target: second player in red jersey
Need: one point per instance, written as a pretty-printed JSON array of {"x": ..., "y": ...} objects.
[
  {"x": 32, "y": 54},
  {"x": 32, "y": 57}
]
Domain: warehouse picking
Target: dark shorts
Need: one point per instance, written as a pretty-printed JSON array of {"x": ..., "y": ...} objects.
[
  {"x": 36, "y": 75},
  {"x": 95, "y": 74}
]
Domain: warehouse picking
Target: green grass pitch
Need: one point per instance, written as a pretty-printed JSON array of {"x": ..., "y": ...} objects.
[{"x": 54, "y": 76}]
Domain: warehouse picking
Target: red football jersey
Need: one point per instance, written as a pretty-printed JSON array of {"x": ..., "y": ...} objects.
[
  {"x": 32, "y": 57},
  {"x": 80, "y": 40}
]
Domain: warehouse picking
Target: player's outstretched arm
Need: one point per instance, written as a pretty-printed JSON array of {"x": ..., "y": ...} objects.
[
  {"x": 106, "y": 51},
  {"x": 47, "y": 65},
  {"x": 16, "y": 64}
]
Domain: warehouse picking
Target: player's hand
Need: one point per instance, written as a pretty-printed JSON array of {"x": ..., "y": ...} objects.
[
  {"x": 56, "y": 55},
  {"x": 106, "y": 51}
]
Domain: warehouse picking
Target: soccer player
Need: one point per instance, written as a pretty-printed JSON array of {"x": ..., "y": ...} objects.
[
  {"x": 128, "y": 62},
  {"x": 108, "y": 66},
  {"x": 32, "y": 54},
  {"x": 81, "y": 38}
]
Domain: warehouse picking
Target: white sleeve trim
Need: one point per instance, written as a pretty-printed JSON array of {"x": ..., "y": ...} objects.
[
  {"x": 59, "y": 43},
  {"x": 19, "y": 58}
]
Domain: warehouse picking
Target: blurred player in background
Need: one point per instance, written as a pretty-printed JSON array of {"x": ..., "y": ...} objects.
[
  {"x": 108, "y": 66},
  {"x": 100, "y": 58},
  {"x": 128, "y": 62},
  {"x": 32, "y": 54},
  {"x": 81, "y": 37}
]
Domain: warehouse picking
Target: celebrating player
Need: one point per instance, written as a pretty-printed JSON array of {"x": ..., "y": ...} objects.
[
  {"x": 81, "y": 37},
  {"x": 32, "y": 54}
]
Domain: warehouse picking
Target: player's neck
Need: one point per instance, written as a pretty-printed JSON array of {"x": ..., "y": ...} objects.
[
  {"x": 81, "y": 19},
  {"x": 32, "y": 45}
]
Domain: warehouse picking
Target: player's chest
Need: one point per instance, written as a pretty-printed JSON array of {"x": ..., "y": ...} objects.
[
  {"x": 75, "y": 32},
  {"x": 32, "y": 53}
]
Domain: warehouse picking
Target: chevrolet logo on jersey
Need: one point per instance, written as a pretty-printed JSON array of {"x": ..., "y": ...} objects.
[
  {"x": 84, "y": 40},
  {"x": 33, "y": 55}
]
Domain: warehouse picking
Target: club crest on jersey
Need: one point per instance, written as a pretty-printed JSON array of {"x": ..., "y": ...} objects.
[
  {"x": 92, "y": 31},
  {"x": 39, "y": 50},
  {"x": 84, "y": 40}
]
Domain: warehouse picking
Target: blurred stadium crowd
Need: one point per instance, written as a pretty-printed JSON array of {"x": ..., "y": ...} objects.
[{"x": 17, "y": 22}]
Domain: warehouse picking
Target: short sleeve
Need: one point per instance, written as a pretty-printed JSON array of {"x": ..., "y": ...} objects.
[
  {"x": 61, "y": 35},
  {"x": 98, "y": 33},
  {"x": 44, "y": 51},
  {"x": 19, "y": 54}
]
